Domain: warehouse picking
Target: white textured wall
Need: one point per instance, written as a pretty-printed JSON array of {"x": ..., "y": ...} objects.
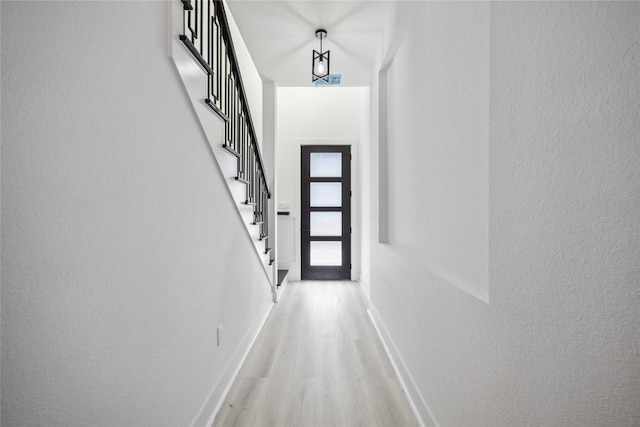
[
  {"x": 120, "y": 251},
  {"x": 557, "y": 344},
  {"x": 438, "y": 144},
  {"x": 364, "y": 193},
  {"x": 318, "y": 116}
]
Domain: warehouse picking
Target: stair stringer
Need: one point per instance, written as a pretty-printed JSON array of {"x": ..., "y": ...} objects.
[{"x": 194, "y": 81}]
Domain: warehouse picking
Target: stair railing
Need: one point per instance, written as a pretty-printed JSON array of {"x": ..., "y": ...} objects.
[{"x": 207, "y": 36}]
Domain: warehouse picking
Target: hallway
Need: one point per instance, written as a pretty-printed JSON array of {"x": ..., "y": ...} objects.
[
  {"x": 495, "y": 152},
  {"x": 317, "y": 362}
]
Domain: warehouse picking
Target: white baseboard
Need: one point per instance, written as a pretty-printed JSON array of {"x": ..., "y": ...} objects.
[
  {"x": 208, "y": 411},
  {"x": 420, "y": 409}
]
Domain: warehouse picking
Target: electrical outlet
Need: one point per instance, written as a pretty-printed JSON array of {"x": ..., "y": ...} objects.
[{"x": 220, "y": 334}]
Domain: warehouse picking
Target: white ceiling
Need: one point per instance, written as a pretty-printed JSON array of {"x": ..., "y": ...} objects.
[{"x": 280, "y": 36}]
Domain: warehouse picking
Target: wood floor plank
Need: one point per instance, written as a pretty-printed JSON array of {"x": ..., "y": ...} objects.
[{"x": 317, "y": 362}]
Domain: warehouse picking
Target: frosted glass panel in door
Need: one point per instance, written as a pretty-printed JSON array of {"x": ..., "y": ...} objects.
[
  {"x": 326, "y": 194},
  {"x": 326, "y": 223},
  {"x": 325, "y": 253},
  {"x": 325, "y": 165}
]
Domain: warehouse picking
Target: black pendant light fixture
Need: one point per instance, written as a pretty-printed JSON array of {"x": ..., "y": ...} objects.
[{"x": 320, "y": 60}]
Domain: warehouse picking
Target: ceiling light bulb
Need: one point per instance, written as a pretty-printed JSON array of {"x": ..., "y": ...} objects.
[{"x": 320, "y": 68}]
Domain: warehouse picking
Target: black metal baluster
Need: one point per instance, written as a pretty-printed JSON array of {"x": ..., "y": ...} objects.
[
  {"x": 238, "y": 136},
  {"x": 245, "y": 157},
  {"x": 219, "y": 63},
  {"x": 212, "y": 76},
  {"x": 228, "y": 112},
  {"x": 262, "y": 215},
  {"x": 192, "y": 32},
  {"x": 252, "y": 166},
  {"x": 215, "y": 58},
  {"x": 265, "y": 214},
  {"x": 197, "y": 24},
  {"x": 257, "y": 214},
  {"x": 245, "y": 143},
  {"x": 234, "y": 114}
]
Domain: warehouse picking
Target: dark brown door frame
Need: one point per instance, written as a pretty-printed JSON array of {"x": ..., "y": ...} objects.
[{"x": 308, "y": 271}]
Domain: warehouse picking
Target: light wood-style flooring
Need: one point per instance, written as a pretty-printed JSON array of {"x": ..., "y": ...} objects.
[{"x": 317, "y": 362}]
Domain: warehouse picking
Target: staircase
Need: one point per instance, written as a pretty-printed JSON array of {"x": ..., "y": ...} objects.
[{"x": 218, "y": 95}]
